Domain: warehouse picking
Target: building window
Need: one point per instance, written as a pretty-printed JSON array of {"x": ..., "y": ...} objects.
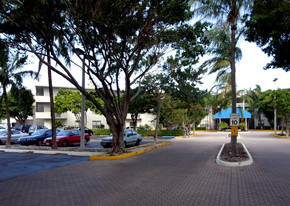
[
  {"x": 96, "y": 124},
  {"x": 39, "y": 91},
  {"x": 39, "y": 107}
]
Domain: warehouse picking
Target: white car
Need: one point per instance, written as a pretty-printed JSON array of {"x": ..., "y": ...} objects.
[
  {"x": 15, "y": 135},
  {"x": 131, "y": 137}
]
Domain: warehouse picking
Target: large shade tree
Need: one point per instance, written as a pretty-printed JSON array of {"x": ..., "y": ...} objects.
[
  {"x": 269, "y": 27},
  {"x": 229, "y": 12},
  {"x": 120, "y": 42}
]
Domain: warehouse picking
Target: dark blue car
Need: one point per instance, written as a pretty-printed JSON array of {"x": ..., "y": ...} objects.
[{"x": 36, "y": 137}]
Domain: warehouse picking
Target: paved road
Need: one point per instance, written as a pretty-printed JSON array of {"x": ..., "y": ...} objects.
[{"x": 183, "y": 173}]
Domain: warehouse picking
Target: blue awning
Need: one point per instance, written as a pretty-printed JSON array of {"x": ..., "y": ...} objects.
[{"x": 225, "y": 114}]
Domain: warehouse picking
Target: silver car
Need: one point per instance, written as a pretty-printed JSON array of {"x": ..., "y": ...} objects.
[
  {"x": 15, "y": 135},
  {"x": 131, "y": 137}
]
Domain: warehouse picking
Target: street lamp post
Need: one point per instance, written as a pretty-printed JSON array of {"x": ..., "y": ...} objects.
[
  {"x": 81, "y": 52},
  {"x": 275, "y": 112}
]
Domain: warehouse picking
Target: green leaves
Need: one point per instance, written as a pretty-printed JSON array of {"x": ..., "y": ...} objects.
[{"x": 269, "y": 27}]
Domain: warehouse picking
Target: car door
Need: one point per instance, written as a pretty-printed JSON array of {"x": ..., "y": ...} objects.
[
  {"x": 129, "y": 137},
  {"x": 75, "y": 137},
  {"x": 15, "y": 135}
]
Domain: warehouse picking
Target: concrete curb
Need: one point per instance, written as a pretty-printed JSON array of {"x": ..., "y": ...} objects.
[
  {"x": 282, "y": 137},
  {"x": 182, "y": 137},
  {"x": 234, "y": 164},
  {"x": 48, "y": 152},
  {"x": 130, "y": 154}
]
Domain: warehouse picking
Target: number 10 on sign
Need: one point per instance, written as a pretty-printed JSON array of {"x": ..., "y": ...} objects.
[{"x": 235, "y": 119}]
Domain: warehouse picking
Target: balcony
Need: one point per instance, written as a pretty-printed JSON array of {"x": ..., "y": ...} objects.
[{"x": 46, "y": 115}]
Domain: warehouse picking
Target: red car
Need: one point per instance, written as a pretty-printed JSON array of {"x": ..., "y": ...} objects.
[{"x": 67, "y": 137}]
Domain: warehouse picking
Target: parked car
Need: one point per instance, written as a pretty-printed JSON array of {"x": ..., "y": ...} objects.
[
  {"x": 36, "y": 137},
  {"x": 15, "y": 135},
  {"x": 131, "y": 137},
  {"x": 25, "y": 128},
  {"x": 145, "y": 128},
  {"x": 36, "y": 127},
  {"x": 67, "y": 137},
  {"x": 18, "y": 127},
  {"x": 177, "y": 127},
  {"x": 2, "y": 128},
  {"x": 87, "y": 131}
]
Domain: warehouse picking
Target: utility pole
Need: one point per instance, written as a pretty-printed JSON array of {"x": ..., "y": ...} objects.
[{"x": 275, "y": 112}]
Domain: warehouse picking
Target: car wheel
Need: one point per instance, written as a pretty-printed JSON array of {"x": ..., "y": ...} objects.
[
  {"x": 106, "y": 146},
  {"x": 137, "y": 142},
  {"x": 0, "y": 142},
  {"x": 64, "y": 143},
  {"x": 125, "y": 143},
  {"x": 86, "y": 141}
]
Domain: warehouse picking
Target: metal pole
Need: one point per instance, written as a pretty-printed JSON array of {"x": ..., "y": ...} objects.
[
  {"x": 275, "y": 112},
  {"x": 82, "y": 146}
]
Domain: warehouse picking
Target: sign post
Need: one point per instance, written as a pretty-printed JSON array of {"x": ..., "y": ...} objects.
[{"x": 234, "y": 123}]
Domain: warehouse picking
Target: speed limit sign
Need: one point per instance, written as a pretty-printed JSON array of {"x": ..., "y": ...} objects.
[{"x": 235, "y": 119}]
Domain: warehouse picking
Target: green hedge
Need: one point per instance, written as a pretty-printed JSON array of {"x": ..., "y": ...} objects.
[
  {"x": 145, "y": 133},
  {"x": 101, "y": 131},
  {"x": 170, "y": 132},
  {"x": 200, "y": 128}
]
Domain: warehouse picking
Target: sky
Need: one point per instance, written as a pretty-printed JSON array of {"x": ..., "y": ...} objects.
[{"x": 249, "y": 72}]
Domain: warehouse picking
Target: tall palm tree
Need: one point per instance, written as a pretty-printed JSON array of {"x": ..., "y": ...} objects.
[
  {"x": 229, "y": 12},
  {"x": 10, "y": 76}
]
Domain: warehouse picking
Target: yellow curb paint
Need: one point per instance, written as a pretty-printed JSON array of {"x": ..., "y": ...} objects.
[
  {"x": 280, "y": 136},
  {"x": 182, "y": 137},
  {"x": 130, "y": 154}
]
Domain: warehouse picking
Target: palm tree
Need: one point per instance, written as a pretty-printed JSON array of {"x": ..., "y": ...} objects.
[
  {"x": 251, "y": 98},
  {"x": 10, "y": 77},
  {"x": 227, "y": 11}
]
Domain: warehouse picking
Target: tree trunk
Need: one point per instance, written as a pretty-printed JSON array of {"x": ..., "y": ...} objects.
[
  {"x": 8, "y": 141},
  {"x": 52, "y": 112},
  {"x": 193, "y": 125},
  {"x": 159, "y": 105},
  {"x": 118, "y": 139},
  {"x": 233, "y": 73}
]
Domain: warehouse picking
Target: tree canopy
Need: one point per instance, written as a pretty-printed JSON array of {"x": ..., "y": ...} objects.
[
  {"x": 120, "y": 41},
  {"x": 269, "y": 27}
]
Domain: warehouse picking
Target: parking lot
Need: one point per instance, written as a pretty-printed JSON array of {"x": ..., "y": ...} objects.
[
  {"x": 19, "y": 164},
  {"x": 183, "y": 173}
]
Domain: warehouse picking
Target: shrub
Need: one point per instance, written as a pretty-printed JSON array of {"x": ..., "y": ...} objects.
[
  {"x": 169, "y": 132},
  {"x": 101, "y": 131},
  {"x": 201, "y": 128},
  {"x": 223, "y": 125},
  {"x": 243, "y": 126}
]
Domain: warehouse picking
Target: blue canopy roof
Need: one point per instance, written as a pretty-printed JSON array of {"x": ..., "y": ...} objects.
[{"x": 225, "y": 114}]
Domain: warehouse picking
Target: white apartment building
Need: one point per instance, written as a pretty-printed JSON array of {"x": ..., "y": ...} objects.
[{"x": 42, "y": 112}]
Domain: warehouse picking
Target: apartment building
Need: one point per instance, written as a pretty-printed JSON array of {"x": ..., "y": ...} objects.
[{"x": 92, "y": 120}]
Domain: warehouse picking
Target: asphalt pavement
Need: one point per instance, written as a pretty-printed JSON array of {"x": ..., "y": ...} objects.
[{"x": 183, "y": 173}]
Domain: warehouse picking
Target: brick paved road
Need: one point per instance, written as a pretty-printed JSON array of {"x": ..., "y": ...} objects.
[{"x": 183, "y": 173}]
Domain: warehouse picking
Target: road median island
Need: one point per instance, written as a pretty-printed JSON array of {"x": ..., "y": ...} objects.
[
  {"x": 131, "y": 151},
  {"x": 283, "y": 137}
]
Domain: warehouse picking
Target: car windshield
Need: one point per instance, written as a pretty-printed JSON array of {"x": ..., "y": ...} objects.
[
  {"x": 39, "y": 132},
  {"x": 63, "y": 133}
]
